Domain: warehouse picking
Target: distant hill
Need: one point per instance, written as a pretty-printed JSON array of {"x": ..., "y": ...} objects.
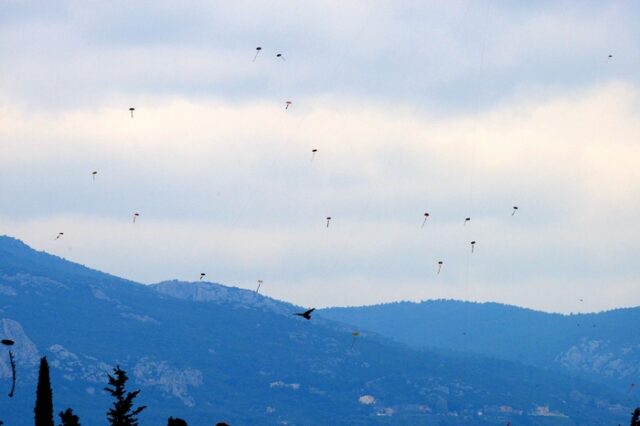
[
  {"x": 207, "y": 352},
  {"x": 604, "y": 346}
]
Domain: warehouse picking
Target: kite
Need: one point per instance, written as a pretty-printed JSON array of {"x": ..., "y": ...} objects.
[
  {"x": 202, "y": 274},
  {"x": 313, "y": 153},
  {"x": 288, "y": 104},
  {"x": 279, "y": 55},
  {"x": 426, "y": 216},
  {"x": 258, "y": 49},
  {"x": 60, "y": 234},
  {"x": 132, "y": 109},
  {"x": 473, "y": 244},
  {"x": 440, "y": 266},
  {"x": 328, "y": 220},
  {"x": 515, "y": 209},
  {"x": 259, "y": 284},
  {"x": 355, "y": 334},
  {"x": 9, "y": 342},
  {"x": 93, "y": 175},
  {"x": 466, "y": 219},
  {"x": 135, "y": 216}
]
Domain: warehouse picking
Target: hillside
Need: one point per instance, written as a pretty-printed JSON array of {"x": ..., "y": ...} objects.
[
  {"x": 207, "y": 352},
  {"x": 600, "y": 346}
]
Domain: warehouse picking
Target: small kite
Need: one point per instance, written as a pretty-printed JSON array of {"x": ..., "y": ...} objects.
[
  {"x": 426, "y": 216},
  {"x": 306, "y": 314},
  {"x": 515, "y": 209},
  {"x": 288, "y": 104},
  {"x": 279, "y": 55},
  {"x": 93, "y": 175},
  {"x": 202, "y": 275},
  {"x": 355, "y": 335},
  {"x": 9, "y": 343},
  {"x": 473, "y": 244},
  {"x": 60, "y": 234},
  {"x": 328, "y": 220},
  {"x": 135, "y": 216},
  {"x": 610, "y": 56},
  {"x": 440, "y": 262},
  {"x": 258, "y": 49},
  {"x": 466, "y": 219},
  {"x": 131, "y": 110},
  {"x": 313, "y": 153},
  {"x": 259, "y": 284}
]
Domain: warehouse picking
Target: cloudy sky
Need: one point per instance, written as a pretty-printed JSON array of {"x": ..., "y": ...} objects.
[{"x": 459, "y": 109}]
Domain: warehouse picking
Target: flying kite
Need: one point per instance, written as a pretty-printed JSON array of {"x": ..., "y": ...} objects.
[
  {"x": 60, "y": 234},
  {"x": 259, "y": 284},
  {"x": 93, "y": 175},
  {"x": 328, "y": 220},
  {"x": 313, "y": 153},
  {"x": 466, "y": 219},
  {"x": 135, "y": 216},
  {"x": 473, "y": 244},
  {"x": 132, "y": 109},
  {"x": 354, "y": 334},
  {"x": 306, "y": 314},
  {"x": 9, "y": 343},
  {"x": 515, "y": 209},
  {"x": 279, "y": 55},
  {"x": 426, "y": 216},
  {"x": 440, "y": 266},
  {"x": 202, "y": 274},
  {"x": 288, "y": 104},
  {"x": 258, "y": 49}
]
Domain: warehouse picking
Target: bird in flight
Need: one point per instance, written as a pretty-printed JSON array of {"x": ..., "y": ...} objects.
[{"x": 306, "y": 314}]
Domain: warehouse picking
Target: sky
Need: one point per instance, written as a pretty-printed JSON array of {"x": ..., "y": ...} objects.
[{"x": 460, "y": 109}]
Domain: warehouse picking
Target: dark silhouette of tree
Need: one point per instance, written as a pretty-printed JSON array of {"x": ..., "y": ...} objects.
[
  {"x": 67, "y": 418},
  {"x": 44, "y": 396},
  {"x": 122, "y": 413},
  {"x": 176, "y": 422},
  {"x": 635, "y": 419}
]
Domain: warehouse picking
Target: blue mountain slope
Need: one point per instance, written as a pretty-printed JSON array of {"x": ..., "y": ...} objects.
[
  {"x": 206, "y": 352},
  {"x": 603, "y": 347}
]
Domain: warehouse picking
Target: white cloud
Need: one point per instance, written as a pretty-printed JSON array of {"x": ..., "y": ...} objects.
[{"x": 230, "y": 189}]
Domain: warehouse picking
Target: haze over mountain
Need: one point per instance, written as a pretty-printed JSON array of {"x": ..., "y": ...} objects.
[
  {"x": 601, "y": 346},
  {"x": 206, "y": 352}
]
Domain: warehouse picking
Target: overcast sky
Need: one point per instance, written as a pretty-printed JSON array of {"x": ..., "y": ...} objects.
[{"x": 459, "y": 109}]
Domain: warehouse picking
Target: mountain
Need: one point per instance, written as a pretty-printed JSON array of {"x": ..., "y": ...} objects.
[
  {"x": 603, "y": 347},
  {"x": 206, "y": 352}
]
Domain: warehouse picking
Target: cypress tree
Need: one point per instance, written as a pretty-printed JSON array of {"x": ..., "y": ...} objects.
[
  {"x": 122, "y": 413},
  {"x": 44, "y": 396},
  {"x": 67, "y": 418}
]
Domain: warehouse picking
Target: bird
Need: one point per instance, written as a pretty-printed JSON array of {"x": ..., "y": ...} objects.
[{"x": 306, "y": 314}]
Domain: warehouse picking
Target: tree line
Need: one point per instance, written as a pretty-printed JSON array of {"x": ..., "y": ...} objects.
[{"x": 122, "y": 412}]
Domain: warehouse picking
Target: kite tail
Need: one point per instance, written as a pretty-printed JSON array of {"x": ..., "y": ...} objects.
[{"x": 13, "y": 374}]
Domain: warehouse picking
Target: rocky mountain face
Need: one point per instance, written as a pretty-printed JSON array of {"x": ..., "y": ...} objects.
[{"x": 206, "y": 353}]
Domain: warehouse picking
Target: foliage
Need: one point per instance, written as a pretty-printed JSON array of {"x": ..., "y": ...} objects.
[
  {"x": 44, "y": 396},
  {"x": 67, "y": 418},
  {"x": 122, "y": 413}
]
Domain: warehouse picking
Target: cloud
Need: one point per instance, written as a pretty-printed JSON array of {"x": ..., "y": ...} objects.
[{"x": 229, "y": 188}]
